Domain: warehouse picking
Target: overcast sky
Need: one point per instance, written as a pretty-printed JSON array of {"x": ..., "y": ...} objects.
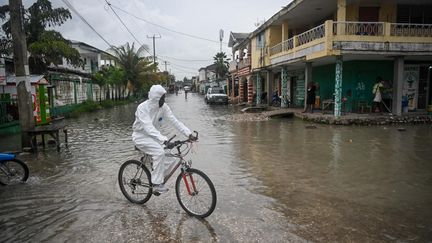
[{"x": 202, "y": 18}]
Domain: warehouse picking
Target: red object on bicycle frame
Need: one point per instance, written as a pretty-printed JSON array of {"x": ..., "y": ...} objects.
[{"x": 187, "y": 183}]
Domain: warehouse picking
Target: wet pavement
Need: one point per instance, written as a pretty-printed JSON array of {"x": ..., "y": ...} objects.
[{"x": 276, "y": 180}]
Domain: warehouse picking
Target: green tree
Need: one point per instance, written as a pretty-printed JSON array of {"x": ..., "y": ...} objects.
[
  {"x": 139, "y": 71},
  {"x": 111, "y": 78},
  {"x": 221, "y": 61},
  {"x": 45, "y": 46}
]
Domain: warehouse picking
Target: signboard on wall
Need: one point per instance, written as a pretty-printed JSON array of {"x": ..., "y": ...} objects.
[
  {"x": 2, "y": 72},
  {"x": 410, "y": 85}
]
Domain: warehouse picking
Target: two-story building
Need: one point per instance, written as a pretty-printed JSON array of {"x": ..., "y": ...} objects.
[
  {"x": 240, "y": 85},
  {"x": 73, "y": 84},
  {"x": 343, "y": 46},
  {"x": 207, "y": 77}
]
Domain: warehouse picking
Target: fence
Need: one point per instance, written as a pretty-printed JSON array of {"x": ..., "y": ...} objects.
[
  {"x": 358, "y": 28},
  {"x": 8, "y": 111},
  {"x": 411, "y": 30}
]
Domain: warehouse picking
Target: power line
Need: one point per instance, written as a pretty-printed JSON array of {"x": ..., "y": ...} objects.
[
  {"x": 109, "y": 4},
  {"x": 165, "y": 28},
  {"x": 187, "y": 60},
  {"x": 71, "y": 7}
]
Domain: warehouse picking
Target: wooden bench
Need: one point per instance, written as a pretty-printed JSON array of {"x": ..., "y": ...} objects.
[{"x": 49, "y": 129}]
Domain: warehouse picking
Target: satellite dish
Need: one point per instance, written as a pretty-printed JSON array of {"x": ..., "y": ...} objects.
[{"x": 221, "y": 34}]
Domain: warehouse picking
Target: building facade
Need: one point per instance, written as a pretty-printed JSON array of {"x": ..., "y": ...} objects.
[{"x": 342, "y": 47}]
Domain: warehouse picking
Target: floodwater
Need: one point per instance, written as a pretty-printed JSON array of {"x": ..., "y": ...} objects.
[{"x": 276, "y": 180}]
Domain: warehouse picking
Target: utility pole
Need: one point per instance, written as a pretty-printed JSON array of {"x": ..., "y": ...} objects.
[
  {"x": 21, "y": 70},
  {"x": 166, "y": 63},
  {"x": 154, "y": 46}
]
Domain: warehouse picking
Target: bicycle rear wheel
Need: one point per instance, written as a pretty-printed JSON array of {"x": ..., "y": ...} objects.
[
  {"x": 13, "y": 172},
  {"x": 135, "y": 181},
  {"x": 196, "y": 193}
]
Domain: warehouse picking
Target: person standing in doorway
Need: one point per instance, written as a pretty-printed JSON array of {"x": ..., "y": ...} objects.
[
  {"x": 310, "y": 97},
  {"x": 377, "y": 91}
]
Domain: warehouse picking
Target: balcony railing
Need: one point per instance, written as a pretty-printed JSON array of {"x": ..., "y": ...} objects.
[
  {"x": 367, "y": 31},
  {"x": 311, "y": 35},
  {"x": 283, "y": 46},
  {"x": 359, "y": 28},
  {"x": 411, "y": 30},
  {"x": 244, "y": 63},
  {"x": 234, "y": 65}
]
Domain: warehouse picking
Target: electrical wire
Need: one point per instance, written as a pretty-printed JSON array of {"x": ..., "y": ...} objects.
[
  {"x": 168, "y": 29},
  {"x": 187, "y": 60},
  {"x": 175, "y": 65},
  {"x": 71, "y": 7},
  {"x": 121, "y": 21}
]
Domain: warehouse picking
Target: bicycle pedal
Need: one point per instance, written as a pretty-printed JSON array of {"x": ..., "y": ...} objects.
[{"x": 156, "y": 193}]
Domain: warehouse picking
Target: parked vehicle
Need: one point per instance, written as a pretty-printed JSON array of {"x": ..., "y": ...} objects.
[
  {"x": 12, "y": 170},
  {"x": 216, "y": 95}
]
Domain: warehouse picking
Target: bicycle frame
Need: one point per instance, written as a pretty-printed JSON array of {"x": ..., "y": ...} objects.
[{"x": 181, "y": 162}]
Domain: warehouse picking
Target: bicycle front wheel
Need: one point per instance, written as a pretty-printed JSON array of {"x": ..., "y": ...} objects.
[
  {"x": 134, "y": 181},
  {"x": 196, "y": 193},
  {"x": 13, "y": 172}
]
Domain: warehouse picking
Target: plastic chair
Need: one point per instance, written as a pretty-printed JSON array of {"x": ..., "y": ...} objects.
[{"x": 363, "y": 106}]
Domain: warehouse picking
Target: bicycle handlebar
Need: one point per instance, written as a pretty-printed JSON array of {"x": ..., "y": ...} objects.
[{"x": 178, "y": 143}]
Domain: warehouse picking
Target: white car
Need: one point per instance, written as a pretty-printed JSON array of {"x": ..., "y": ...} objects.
[{"x": 216, "y": 95}]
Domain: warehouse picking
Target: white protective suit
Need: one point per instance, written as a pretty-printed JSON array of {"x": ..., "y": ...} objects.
[{"x": 147, "y": 137}]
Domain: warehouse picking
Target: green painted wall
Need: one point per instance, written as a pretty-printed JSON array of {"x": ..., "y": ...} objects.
[{"x": 358, "y": 78}]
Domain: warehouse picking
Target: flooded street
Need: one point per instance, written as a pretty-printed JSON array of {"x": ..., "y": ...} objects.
[{"x": 276, "y": 180}]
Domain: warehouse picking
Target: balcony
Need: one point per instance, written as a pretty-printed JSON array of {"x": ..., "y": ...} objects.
[
  {"x": 244, "y": 63},
  {"x": 232, "y": 66},
  {"x": 332, "y": 38},
  {"x": 235, "y": 66}
]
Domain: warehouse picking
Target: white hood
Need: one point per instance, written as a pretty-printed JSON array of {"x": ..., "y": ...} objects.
[
  {"x": 149, "y": 118},
  {"x": 156, "y": 92}
]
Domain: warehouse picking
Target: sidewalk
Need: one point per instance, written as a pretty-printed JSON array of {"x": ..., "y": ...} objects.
[{"x": 365, "y": 119}]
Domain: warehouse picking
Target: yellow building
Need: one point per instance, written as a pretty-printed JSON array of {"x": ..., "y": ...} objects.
[{"x": 344, "y": 46}]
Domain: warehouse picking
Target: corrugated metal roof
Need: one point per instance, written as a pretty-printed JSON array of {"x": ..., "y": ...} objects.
[{"x": 236, "y": 38}]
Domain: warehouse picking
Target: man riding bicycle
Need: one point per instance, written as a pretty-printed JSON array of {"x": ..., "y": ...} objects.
[{"x": 149, "y": 118}]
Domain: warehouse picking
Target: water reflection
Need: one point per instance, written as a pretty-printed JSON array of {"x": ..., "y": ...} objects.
[{"x": 342, "y": 182}]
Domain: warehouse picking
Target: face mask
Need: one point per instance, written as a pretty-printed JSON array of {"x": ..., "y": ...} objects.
[{"x": 162, "y": 101}]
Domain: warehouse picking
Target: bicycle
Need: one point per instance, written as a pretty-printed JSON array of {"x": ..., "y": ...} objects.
[
  {"x": 12, "y": 170},
  {"x": 194, "y": 189}
]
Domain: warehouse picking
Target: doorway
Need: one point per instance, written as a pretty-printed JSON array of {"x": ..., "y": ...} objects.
[
  {"x": 245, "y": 90},
  {"x": 369, "y": 14}
]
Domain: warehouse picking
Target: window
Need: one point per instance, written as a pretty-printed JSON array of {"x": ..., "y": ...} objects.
[
  {"x": 415, "y": 14},
  {"x": 217, "y": 91},
  {"x": 260, "y": 41}
]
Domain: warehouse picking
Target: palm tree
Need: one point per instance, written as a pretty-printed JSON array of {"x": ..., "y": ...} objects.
[
  {"x": 221, "y": 61},
  {"x": 134, "y": 64}
]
